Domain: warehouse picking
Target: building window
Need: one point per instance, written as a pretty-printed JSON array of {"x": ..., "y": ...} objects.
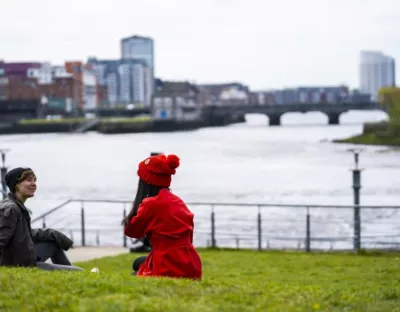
[
  {"x": 191, "y": 103},
  {"x": 168, "y": 102},
  {"x": 157, "y": 102},
  {"x": 180, "y": 101}
]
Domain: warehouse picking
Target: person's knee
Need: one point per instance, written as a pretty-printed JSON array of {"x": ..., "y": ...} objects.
[
  {"x": 44, "y": 250},
  {"x": 137, "y": 263},
  {"x": 47, "y": 246}
]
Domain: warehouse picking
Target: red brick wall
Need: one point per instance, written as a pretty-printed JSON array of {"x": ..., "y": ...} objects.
[{"x": 26, "y": 89}]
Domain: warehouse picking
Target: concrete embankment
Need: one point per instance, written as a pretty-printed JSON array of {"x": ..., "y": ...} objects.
[
  {"x": 107, "y": 126},
  {"x": 89, "y": 253}
]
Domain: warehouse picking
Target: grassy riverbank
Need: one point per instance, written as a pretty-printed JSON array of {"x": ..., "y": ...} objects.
[
  {"x": 371, "y": 139},
  {"x": 233, "y": 281},
  {"x": 380, "y": 133},
  {"x": 113, "y": 120},
  {"x": 125, "y": 124},
  {"x": 52, "y": 121},
  {"x": 384, "y": 132},
  {"x": 104, "y": 125}
]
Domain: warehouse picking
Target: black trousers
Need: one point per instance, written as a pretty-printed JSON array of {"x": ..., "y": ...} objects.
[{"x": 50, "y": 250}]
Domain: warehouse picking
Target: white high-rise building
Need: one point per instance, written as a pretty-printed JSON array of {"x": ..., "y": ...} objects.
[
  {"x": 125, "y": 80},
  {"x": 141, "y": 48},
  {"x": 377, "y": 70}
]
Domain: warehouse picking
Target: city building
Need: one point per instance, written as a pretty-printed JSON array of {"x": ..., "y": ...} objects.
[
  {"x": 102, "y": 96},
  {"x": 19, "y": 69},
  {"x": 125, "y": 80},
  {"x": 72, "y": 86},
  {"x": 227, "y": 93},
  {"x": 30, "y": 81},
  {"x": 304, "y": 95},
  {"x": 178, "y": 101},
  {"x": 86, "y": 84},
  {"x": 43, "y": 74},
  {"x": 357, "y": 97},
  {"x": 60, "y": 94},
  {"x": 141, "y": 48},
  {"x": 322, "y": 94},
  {"x": 377, "y": 70}
]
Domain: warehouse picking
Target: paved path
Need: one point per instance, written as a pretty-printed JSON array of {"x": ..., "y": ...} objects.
[{"x": 89, "y": 253}]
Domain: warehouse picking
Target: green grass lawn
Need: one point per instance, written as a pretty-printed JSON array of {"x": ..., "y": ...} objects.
[
  {"x": 38, "y": 121},
  {"x": 233, "y": 281},
  {"x": 119, "y": 120},
  {"x": 115, "y": 120}
]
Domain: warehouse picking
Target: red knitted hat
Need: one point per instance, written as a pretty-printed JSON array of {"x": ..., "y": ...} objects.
[{"x": 157, "y": 170}]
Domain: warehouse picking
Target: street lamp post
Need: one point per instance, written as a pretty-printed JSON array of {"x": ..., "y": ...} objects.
[
  {"x": 3, "y": 170},
  {"x": 356, "y": 199}
]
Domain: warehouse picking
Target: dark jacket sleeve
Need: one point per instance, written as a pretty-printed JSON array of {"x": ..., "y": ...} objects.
[
  {"x": 8, "y": 222},
  {"x": 50, "y": 235}
]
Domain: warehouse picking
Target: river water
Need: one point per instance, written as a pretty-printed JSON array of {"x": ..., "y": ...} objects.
[{"x": 245, "y": 163}]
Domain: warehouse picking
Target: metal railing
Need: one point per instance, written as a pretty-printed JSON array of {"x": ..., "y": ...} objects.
[{"x": 241, "y": 225}]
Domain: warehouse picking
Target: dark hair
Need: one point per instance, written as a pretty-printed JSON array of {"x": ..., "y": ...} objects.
[
  {"x": 26, "y": 175},
  {"x": 143, "y": 191}
]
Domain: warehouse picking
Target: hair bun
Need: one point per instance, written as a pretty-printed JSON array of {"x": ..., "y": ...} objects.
[{"x": 173, "y": 161}]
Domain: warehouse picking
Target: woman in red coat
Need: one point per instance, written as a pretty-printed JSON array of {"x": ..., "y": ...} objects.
[{"x": 165, "y": 220}]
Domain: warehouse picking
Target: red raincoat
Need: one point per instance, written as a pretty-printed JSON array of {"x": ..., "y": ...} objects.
[{"x": 168, "y": 224}]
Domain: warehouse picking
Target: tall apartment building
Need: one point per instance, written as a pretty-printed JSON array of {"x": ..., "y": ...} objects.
[
  {"x": 377, "y": 70},
  {"x": 125, "y": 80},
  {"x": 141, "y": 48}
]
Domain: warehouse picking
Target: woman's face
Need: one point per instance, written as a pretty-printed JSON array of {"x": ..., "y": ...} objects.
[{"x": 27, "y": 187}]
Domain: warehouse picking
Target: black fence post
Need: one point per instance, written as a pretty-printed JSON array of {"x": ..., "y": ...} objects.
[
  {"x": 259, "y": 229},
  {"x": 308, "y": 231},
  {"x": 213, "y": 241},
  {"x": 83, "y": 232},
  {"x": 124, "y": 240}
]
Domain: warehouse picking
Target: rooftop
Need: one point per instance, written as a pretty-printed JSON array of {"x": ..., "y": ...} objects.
[
  {"x": 136, "y": 37},
  {"x": 176, "y": 86}
]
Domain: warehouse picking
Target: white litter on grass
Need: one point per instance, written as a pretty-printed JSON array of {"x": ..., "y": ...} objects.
[{"x": 95, "y": 270}]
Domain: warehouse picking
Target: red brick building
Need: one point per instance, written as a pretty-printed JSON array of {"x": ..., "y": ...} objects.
[{"x": 73, "y": 85}]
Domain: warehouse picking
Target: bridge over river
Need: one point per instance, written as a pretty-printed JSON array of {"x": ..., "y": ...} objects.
[
  {"x": 274, "y": 112},
  {"x": 211, "y": 115}
]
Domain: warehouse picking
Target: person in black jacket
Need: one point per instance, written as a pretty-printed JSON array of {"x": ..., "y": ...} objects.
[{"x": 20, "y": 245}]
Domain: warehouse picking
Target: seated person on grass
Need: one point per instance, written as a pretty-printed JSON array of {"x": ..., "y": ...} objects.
[
  {"x": 164, "y": 219},
  {"x": 20, "y": 245}
]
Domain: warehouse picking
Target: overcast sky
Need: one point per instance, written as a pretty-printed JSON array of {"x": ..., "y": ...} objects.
[{"x": 263, "y": 43}]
